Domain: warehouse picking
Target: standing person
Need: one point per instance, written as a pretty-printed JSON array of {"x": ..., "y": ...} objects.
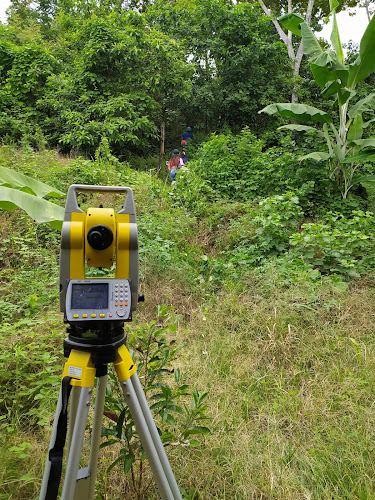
[
  {"x": 186, "y": 137},
  {"x": 174, "y": 162},
  {"x": 184, "y": 157}
]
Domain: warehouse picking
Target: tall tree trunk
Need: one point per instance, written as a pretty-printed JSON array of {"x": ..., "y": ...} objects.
[
  {"x": 295, "y": 58},
  {"x": 296, "y": 68},
  {"x": 162, "y": 139}
]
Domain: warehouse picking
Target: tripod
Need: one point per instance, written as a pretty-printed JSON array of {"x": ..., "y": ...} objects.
[{"x": 85, "y": 363}]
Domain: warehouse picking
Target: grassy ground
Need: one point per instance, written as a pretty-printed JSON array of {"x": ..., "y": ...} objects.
[{"x": 288, "y": 360}]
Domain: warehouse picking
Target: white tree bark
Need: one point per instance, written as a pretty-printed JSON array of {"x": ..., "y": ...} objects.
[{"x": 295, "y": 57}]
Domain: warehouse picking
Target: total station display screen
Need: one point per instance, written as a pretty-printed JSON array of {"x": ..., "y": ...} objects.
[{"x": 89, "y": 296}]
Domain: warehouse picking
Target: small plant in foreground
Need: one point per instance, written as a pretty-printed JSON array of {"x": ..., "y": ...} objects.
[{"x": 176, "y": 418}]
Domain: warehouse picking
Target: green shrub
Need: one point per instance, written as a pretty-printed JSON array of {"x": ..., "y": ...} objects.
[
  {"x": 192, "y": 192},
  {"x": 237, "y": 167},
  {"x": 30, "y": 365},
  {"x": 264, "y": 233},
  {"x": 345, "y": 246}
]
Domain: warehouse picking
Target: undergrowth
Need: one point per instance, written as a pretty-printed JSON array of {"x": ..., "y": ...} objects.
[{"x": 275, "y": 322}]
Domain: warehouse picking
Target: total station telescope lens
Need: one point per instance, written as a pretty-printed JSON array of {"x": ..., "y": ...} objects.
[{"x": 100, "y": 237}]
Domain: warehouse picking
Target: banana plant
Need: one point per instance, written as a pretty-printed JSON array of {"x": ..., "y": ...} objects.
[
  {"x": 20, "y": 191},
  {"x": 346, "y": 150}
]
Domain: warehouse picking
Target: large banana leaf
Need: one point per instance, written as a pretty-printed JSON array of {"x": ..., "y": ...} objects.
[
  {"x": 22, "y": 182},
  {"x": 301, "y": 112},
  {"x": 361, "y": 157},
  {"x": 326, "y": 68},
  {"x": 292, "y": 22},
  {"x": 311, "y": 45},
  {"x": 37, "y": 208},
  {"x": 335, "y": 39},
  {"x": 365, "y": 104},
  {"x": 317, "y": 156},
  {"x": 365, "y": 143},
  {"x": 326, "y": 65},
  {"x": 356, "y": 129},
  {"x": 365, "y": 63}
]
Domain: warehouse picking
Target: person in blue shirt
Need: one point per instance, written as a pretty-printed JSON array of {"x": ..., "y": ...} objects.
[{"x": 186, "y": 136}]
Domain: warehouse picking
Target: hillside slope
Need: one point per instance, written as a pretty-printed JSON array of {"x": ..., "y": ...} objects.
[{"x": 285, "y": 352}]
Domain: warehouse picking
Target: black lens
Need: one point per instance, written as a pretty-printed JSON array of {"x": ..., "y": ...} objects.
[{"x": 100, "y": 237}]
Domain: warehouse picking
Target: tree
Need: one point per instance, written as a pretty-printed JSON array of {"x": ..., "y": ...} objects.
[
  {"x": 108, "y": 75},
  {"x": 310, "y": 13},
  {"x": 234, "y": 49},
  {"x": 368, "y": 5},
  {"x": 347, "y": 149}
]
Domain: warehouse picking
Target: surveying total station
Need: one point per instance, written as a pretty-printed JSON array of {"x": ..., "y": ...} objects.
[{"x": 96, "y": 309}]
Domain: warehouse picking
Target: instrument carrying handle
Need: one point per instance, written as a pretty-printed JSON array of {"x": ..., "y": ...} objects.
[{"x": 72, "y": 203}]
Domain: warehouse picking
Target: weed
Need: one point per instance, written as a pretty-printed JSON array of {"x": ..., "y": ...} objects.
[{"x": 178, "y": 425}]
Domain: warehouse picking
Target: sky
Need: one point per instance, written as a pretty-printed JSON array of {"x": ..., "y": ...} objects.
[
  {"x": 350, "y": 27},
  {"x": 4, "y": 4}
]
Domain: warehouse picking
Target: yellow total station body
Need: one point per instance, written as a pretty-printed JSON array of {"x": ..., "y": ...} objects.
[{"x": 82, "y": 230}]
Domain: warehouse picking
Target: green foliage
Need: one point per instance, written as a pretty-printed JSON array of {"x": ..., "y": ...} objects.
[
  {"x": 192, "y": 191},
  {"x": 30, "y": 368},
  {"x": 282, "y": 344},
  {"x": 346, "y": 150},
  {"x": 237, "y": 168},
  {"x": 28, "y": 260},
  {"x": 233, "y": 46},
  {"x": 120, "y": 79},
  {"x": 20, "y": 191},
  {"x": 165, "y": 235},
  {"x": 178, "y": 421},
  {"x": 264, "y": 233},
  {"x": 339, "y": 245}
]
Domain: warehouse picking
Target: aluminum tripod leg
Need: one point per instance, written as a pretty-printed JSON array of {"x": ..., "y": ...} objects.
[
  {"x": 145, "y": 425},
  {"x": 79, "y": 375},
  {"x": 155, "y": 436},
  {"x": 74, "y": 400},
  {"x": 80, "y": 484},
  {"x": 150, "y": 439},
  {"x": 72, "y": 463},
  {"x": 85, "y": 486}
]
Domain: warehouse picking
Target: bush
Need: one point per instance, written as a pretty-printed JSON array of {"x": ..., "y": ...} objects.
[
  {"x": 265, "y": 232},
  {"x": 237, "y": 168},
  {"x": 345, "y": 246},
  {"x": 191, "y": 192}
]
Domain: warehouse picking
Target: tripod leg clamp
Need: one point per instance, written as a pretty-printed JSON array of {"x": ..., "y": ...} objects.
[
  {"x": 124, "y": 365},
  {"x": 80, "y": 368}
]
